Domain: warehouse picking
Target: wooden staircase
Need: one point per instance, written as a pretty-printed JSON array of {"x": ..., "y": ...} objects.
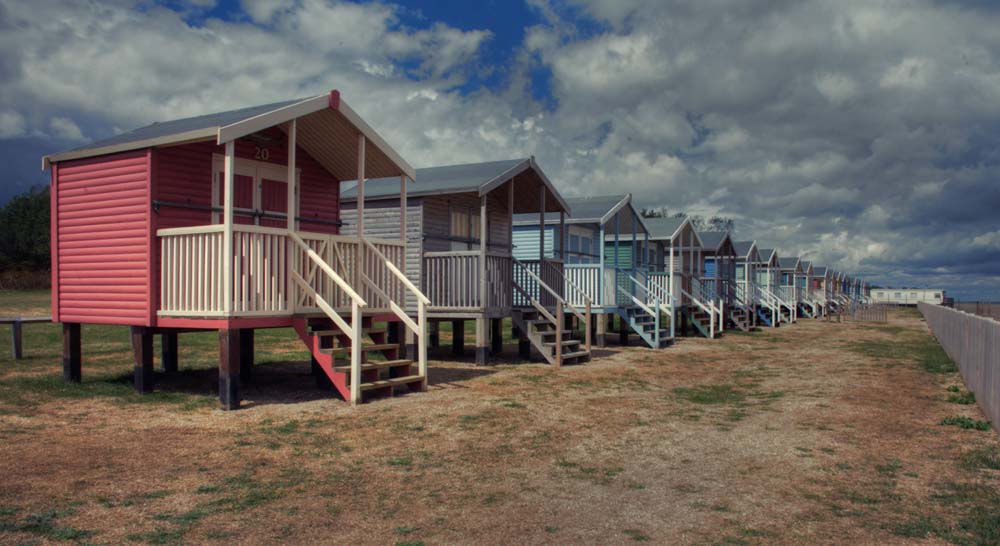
[
  {"x": 541, "y": 333},
  {"x": 739, "y": 316},
  {"x": 645, "y": 326},
  {"x": 383, "y": 372},
  {"x": 765, "y": 316},
  {"x": 701, "y": 320}
]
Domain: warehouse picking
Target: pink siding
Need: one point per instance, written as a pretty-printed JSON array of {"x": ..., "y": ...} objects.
[
  {"x": 101, "y": 240},
  {"x": 184, "y": 174}
]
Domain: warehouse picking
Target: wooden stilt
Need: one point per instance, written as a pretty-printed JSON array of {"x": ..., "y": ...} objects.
[
  {"x": 602, "y": 330},
  {"x": 434, "y": 336},
  {"x": 458, "y": 337},
  {"x": 622, "y": 332},
  {"x": 142, "y": 347},
  {"x": 482, "y": 346},
  {"x": 323, "y": 382},
  {"x": 15, "y": 339},
  {"x": 72, "y": 369},
  {"x": 229, "y": 369},
  {"x": 168, "y": 352},
  {"x": 496, "y": 336},
  {"x": 246, "y": 354}
]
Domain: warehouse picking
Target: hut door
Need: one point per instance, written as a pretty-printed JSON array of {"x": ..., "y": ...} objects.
[
  {"x": 273, "y": 200},
  {"x": 242, "y": 198}
]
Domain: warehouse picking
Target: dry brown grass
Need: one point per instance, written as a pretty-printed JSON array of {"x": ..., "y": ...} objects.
[{"x": 781, "y": 437}]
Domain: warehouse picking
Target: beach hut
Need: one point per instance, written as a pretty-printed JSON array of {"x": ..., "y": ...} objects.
[
  {"x": 606, "y": 262},
  {"x": 718, "y": 282},
  {"x": 774, "y": 310},
  {"x": 788, "y": 291},
  {"x": 803, "y": 284},
  {"x": 460, "y": 239},
  {"x": 747, "y": 258},
  {"x": 676, "y": 268},
  {"x": 231, "y": 222},
  {"x": 821, "y": 288}
]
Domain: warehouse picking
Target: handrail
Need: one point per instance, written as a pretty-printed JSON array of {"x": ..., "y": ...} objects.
[
  {"x": 419, "y": 328},
  {"x": 585, "y": 316},
  {"x": 710, "y": 309},
  {"x": 399, "y": 274},
  {"x": 341, "y": 283}
]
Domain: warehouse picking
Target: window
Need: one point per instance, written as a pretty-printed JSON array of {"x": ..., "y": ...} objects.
[
  {"x": 585, "y": 246},
  {"x": 464, "y": 223},
  {"x": 574, "y": 243}
]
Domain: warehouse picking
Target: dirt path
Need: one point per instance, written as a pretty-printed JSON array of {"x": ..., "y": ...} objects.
[{"x": 815, "y": 433}]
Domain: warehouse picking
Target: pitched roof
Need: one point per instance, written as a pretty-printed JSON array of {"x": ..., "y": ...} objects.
[
  {"x": 664, "y": 228},
  {"x": 743, "y": 247},
  {"x": 712, "y": 239},
  {"x": 322, "y": 120},
  {"x": 788, "y": 262},
  {"x": 585, "y": 210},
  {"x": 819, "y": 270},
  {"x": 766, "y": 254}
]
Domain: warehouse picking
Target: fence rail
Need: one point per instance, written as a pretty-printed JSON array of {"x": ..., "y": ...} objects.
[
  {"x": 974, "y": 344},
  {"x": 864, "y": 312},
  {"x": 983, "y": 309}
]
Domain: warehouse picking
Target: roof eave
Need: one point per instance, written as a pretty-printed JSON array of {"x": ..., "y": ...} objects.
[{"x": 188, "y": 136}]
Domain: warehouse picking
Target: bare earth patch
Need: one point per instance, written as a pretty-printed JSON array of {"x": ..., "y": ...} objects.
[{"x": 805, "y": 434}]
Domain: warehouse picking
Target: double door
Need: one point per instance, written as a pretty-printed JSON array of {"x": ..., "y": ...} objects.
[{"x": 260, "y": 193}]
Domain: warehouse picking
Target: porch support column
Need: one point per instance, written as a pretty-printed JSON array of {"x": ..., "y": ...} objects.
[
  {"x": 168, "y": 351},
  {"x": 635, "y": 241},
  {"x": 227, "y": 222},
  {"x": 246, "y": 354},
  {"x": 71, "y": 352},
  {"x": 142, "y": 348},
  {"x": 229, "y": 369},
  {"x": 673, "y": 295},
  {"x": 292, "y": 179},
  {"x": 562, "y": 236},
  {"x": 484, "y": 241},
  {"x": 403, "y": 204},
  {"x": 541, "y": 233},
  {"x": 361, "y": 187}
]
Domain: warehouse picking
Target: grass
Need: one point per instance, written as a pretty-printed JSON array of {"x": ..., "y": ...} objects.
[
  {"x": 981, "y": 458},
  {"x": 711, "y": 394},
  {"x": 919, "y": 348},
  {"x": 108, "y": 363},
  {"x": 966, "y": 423}
]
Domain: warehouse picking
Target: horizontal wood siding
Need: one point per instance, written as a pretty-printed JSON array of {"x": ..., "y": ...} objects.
[
  {"x": 382, "y": 222},
  {"x": 526, "y": 242},
  {"x": 184, "y": 175},
  {"x": 102, "y": 239}
]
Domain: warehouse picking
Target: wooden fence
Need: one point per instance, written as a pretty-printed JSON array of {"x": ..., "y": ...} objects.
[
  {"x": 867, "y": 312},
  {"x": 974, "y": 344}
]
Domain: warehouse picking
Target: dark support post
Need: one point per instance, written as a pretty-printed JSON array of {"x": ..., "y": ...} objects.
[
  {"x": 168, "y": 351},
  {"x": 142, "y": 347},
  {"x": 524, "y": 347},
  {"x": 622, "y": 332},
  {"x": 229, "y": 368},
  {"x": 15, "y": 339},
  {"x": 71, "y": 352},
  {"x": 496, "y": 336},
  {"x": 458, "y": 337},
  {"x": 434, "y": 337},
  {"x": 246, "y": 354}
]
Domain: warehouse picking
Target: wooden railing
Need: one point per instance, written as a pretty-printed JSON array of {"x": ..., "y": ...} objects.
[
  {"x": 587, "y": 278},
  {"x": 451, "y": 281},
  {"x": 192, "y": 267},
  {"x": 529, "y": 273}
]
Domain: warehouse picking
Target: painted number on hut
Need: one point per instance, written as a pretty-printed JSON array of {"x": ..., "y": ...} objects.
[{"x": 261, "y": 154}]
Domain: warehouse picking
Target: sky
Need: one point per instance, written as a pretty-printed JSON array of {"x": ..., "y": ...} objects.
[{"x": 859, "y": 134}]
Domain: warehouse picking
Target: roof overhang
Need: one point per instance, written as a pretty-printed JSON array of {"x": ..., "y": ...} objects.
[
  {"x": 327, "y": 123},
  {"x": 500, "y": 179}
]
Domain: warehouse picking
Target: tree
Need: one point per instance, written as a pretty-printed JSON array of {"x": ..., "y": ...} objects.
[
  {"x": 700, "y": 223},
  {"x": 24, "y": 238}
]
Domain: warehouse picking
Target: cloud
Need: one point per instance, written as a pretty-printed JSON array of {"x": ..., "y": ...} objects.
[
  {"x": 11, "y": 124},
  {"x": 65, "y": 129},
  {"x": 861, "y": 135}
]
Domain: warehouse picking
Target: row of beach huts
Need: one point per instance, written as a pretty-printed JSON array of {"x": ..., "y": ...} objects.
[{"x": 291, "y": 215}]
